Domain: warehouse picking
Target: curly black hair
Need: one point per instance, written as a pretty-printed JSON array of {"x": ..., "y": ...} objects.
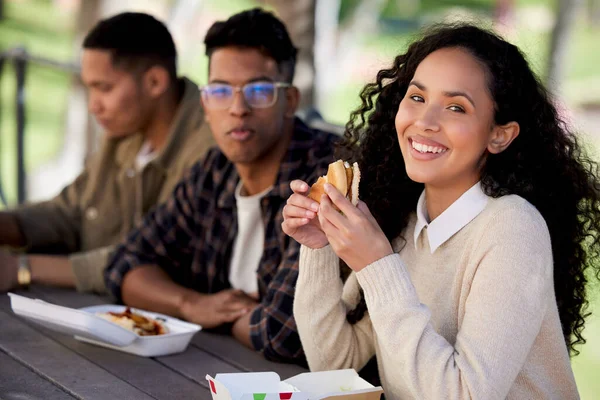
[{"x": 545, "y": 164}]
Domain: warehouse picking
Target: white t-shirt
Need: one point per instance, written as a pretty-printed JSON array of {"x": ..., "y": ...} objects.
[
  {"x": 144, "y": 156},
  {"x": 249, "y": 242}
]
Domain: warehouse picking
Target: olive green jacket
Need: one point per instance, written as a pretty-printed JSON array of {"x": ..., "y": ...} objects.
[{"x": 111, "y": 196}]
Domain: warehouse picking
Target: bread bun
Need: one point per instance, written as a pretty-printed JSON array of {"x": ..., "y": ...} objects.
[
  {"x": 318, "y": 189},
  {"x": 353, "y": 190},
  {"x": 343, "y": 177}
]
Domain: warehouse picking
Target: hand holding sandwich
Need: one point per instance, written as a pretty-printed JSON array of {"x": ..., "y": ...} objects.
[
  {"x": 343, "y": 221},
  {"x": 354, "y": 234},
  {"x": 300, "y": 212},
  {"x": 300, "y": 218}
]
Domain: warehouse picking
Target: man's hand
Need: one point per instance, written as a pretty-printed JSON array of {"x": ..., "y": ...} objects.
[
  {"x": 150, "y": 288},
  {"x": 241, "y": 330},
  {"x": 9, "y": 267},
  {"x": 212, "y": 310}
]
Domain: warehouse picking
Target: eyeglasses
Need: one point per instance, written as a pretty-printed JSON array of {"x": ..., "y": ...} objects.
[{"x": 219, "y": 96}]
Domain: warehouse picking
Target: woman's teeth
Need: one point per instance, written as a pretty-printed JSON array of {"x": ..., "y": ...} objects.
[{"x": 422, "y": 148}]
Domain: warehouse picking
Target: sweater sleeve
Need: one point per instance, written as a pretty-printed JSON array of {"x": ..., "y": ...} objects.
[
  {"x": 508, "y": 298},
  {"x": 55, "y": 224},
  {"x": 329, "y": 341}
]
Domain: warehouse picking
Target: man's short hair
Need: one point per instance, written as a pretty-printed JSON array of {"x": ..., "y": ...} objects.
[
  {"x": 255, "y": 29},
  {"x": 136, "y": 41}
]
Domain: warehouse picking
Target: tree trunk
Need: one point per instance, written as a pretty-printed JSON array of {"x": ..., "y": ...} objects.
[
  {"x": 299, "y": 18},
  {"x": 561, "y": 37}
]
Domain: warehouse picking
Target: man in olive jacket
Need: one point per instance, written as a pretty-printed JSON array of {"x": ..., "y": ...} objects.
[{"x": 155, "y": 130}]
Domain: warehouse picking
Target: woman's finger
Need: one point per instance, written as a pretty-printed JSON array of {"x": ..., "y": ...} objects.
[
  {"x": 331, "y": 218},
  {"x": 299, "y": 186},
  {"x": 289, "y": 226},
  {"x": 340, "y": 201},
  {"x": 302, "y": 201},
  {"x": 291, "y": 211},
  {"x": 332, "y": 215},
  {"x": 327, "y": 227}
]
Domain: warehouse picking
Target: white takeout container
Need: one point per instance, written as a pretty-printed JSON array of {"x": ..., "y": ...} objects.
[
  {"x": 88, "y": 327},
  {"x": 344, "y": 384}
]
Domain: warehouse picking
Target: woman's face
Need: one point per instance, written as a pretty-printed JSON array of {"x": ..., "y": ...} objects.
[{"x": 445, "y": 122}]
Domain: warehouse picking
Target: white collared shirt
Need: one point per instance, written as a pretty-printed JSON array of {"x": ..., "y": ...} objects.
[
  {"x": 249, "y": 243},
  {"x": 452, "y": 220}
]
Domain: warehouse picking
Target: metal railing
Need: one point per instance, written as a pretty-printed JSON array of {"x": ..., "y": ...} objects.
[{"x": 21, "y": 59}]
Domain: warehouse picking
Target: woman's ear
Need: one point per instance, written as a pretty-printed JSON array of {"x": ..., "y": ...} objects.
[
  {"x": 292, "y": 97},
  {"x": 502, "y": 136},
  {"x": 156, "y": 81}
]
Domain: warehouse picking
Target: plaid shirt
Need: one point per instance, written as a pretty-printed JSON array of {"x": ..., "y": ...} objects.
[{"x": 191, "y": 237}]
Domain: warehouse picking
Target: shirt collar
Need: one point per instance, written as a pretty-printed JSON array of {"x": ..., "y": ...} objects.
[
  {"x": 249, "y": 199},
  {"x": 453, "y": 219},
  {"x": 145, "y": 156},
  {"x": 189, "y": 112}
]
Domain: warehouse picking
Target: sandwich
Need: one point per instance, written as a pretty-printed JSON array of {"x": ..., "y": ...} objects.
[
  {"x": 135, "y": 322},
  {"x": 343, "y": 176}
]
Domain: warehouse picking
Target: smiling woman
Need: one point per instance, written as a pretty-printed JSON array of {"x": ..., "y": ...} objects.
[
  {"x": 470, "y": 250},
  {"x": 446, "y": 127}
]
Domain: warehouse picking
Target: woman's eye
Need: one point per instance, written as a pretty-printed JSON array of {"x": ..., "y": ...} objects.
[
  {"x": 417, "y": 98},
  {"x": 456, "y": 109}
]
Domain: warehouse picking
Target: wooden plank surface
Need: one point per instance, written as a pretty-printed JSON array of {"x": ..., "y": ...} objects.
[
  {"x": 146, "y": 374},
  {"x": 19, "y": 382},
  {"x": 60, "y": 365},
  {"x": 195, "y": 364},
  {"x": 222, "y": 347},
  {"x": 236, "y": 354},
  {"x": 175, "y": 376}
]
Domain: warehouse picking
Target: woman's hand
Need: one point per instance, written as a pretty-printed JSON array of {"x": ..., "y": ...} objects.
[
  {"x": 300, "y": 218},
  {"x": 354, "y": 235}
]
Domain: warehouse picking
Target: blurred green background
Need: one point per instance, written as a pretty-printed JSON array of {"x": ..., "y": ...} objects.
[{"x": 48, "y": 28}]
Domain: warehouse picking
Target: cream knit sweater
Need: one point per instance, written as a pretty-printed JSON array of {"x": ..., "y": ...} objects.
[{"x": 476, "y": 319}]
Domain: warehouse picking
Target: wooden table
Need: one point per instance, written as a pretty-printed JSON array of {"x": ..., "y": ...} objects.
[{"x": 37, "y": 363}]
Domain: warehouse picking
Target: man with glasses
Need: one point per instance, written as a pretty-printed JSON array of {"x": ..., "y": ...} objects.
[{"x": 215, "y": 253}]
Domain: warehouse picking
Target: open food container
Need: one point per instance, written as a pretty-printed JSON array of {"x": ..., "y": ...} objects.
[
  {"x": 87, "y": 325},
  {"x": 342, "y": 384}
]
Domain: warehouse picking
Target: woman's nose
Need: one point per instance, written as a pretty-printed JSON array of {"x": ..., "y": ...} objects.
[{"x": 428, "y": 120}]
